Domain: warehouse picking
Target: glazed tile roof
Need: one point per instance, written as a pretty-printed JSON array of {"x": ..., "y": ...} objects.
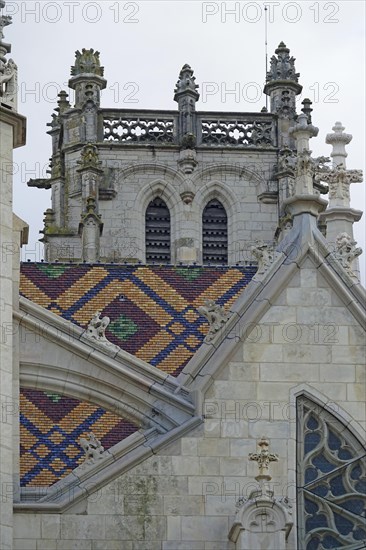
[
  {"x": 153, "y": 309},
  {"x": 153, "y": 312},
  {"x": 50, "y": 428}
]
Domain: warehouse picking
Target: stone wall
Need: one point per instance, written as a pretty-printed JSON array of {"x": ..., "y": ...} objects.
[{"x": 136, "y": 175}]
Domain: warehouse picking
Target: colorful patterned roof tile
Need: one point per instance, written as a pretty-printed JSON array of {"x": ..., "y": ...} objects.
[
  {"x": 50, "y": 429},
  {"x": 153, "y": 309}
]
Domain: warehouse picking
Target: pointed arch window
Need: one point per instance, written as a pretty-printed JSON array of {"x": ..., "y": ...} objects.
[
  {"x": 214, "y": 238},
  {"x": 331, "y": 481},
  {"x": 157, "y": 232}
]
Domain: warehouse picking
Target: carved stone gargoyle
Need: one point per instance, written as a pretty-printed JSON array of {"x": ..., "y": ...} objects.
[
  {"x": 216, "y": 315},
  {"x": 92, "y": 447}
]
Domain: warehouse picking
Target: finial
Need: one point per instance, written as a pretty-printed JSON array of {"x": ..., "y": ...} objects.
[
  {"x": 282, "y": 67},
  {"x": 303, "y": 131},
  {"x": 186, "y": 84},
  {"x": 87, "y": 62},
  {"x": 63, "y": 103},
  {"x": 338, "y": 140}
]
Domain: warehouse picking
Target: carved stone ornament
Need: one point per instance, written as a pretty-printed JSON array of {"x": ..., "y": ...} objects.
[
  {"x": 87, "y": 62},
  {"x": 261, "y": 520},
  {"x": 5, "y": 20},
  {"x": 339, "y": 180},
  {"x": 216, "y": 315},
  {"x": 286, "y": 107},
  {"x": 89, "y": 157},
  {"x": 187, "y": 161},
  {"x": 186, "y": 82},
  {"x": 346, "y": 252},
  {"x": 264, "y": 255},
  {"x": 189, "y": 141},
  {"x": 187, "y": 193},
  {"x": 92, "y": 447},
  {"x": 284, "y": 227},
  {"x": 282, "y": 66},
  {"x": 287, "y": 161},
  {"x": 96, "y": 331},
  {"x": 263, "y": 459}
]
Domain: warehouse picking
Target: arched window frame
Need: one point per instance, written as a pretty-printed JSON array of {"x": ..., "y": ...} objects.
[{"x": 324, "y": 499}]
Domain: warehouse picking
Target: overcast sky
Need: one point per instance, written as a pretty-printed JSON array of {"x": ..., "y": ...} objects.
[{"x": 143, "y": 46}]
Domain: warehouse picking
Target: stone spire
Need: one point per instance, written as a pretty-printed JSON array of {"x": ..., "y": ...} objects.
[
  {"x": 282, "y": 86},
  {"x": 8, "y": 69},
  {"x": 186, "y": 95}
]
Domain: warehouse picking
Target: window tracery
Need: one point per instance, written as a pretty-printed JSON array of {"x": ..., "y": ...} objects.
[{"x": 331, "y": 481}]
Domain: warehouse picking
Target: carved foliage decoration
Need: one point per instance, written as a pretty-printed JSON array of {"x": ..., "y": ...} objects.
[
  {"x": 346, "y": 252},
  {"x": 331, "y": 481},
  {"x": 87, "y": 62},
  {"x": 282, "y": 66}
]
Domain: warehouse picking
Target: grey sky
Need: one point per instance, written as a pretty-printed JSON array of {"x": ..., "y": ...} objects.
[{"x": 143, "y": 45}]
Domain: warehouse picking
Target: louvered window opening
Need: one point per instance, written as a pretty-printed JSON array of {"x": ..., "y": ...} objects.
[
  {"x": 157, "y": 226},
  {"x": 214, "y": 224}
]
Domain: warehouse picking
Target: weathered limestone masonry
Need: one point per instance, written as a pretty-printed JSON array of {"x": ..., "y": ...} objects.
[
  {"x": 259, "y": 443},
  {"x": 12, "y": 134}
]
